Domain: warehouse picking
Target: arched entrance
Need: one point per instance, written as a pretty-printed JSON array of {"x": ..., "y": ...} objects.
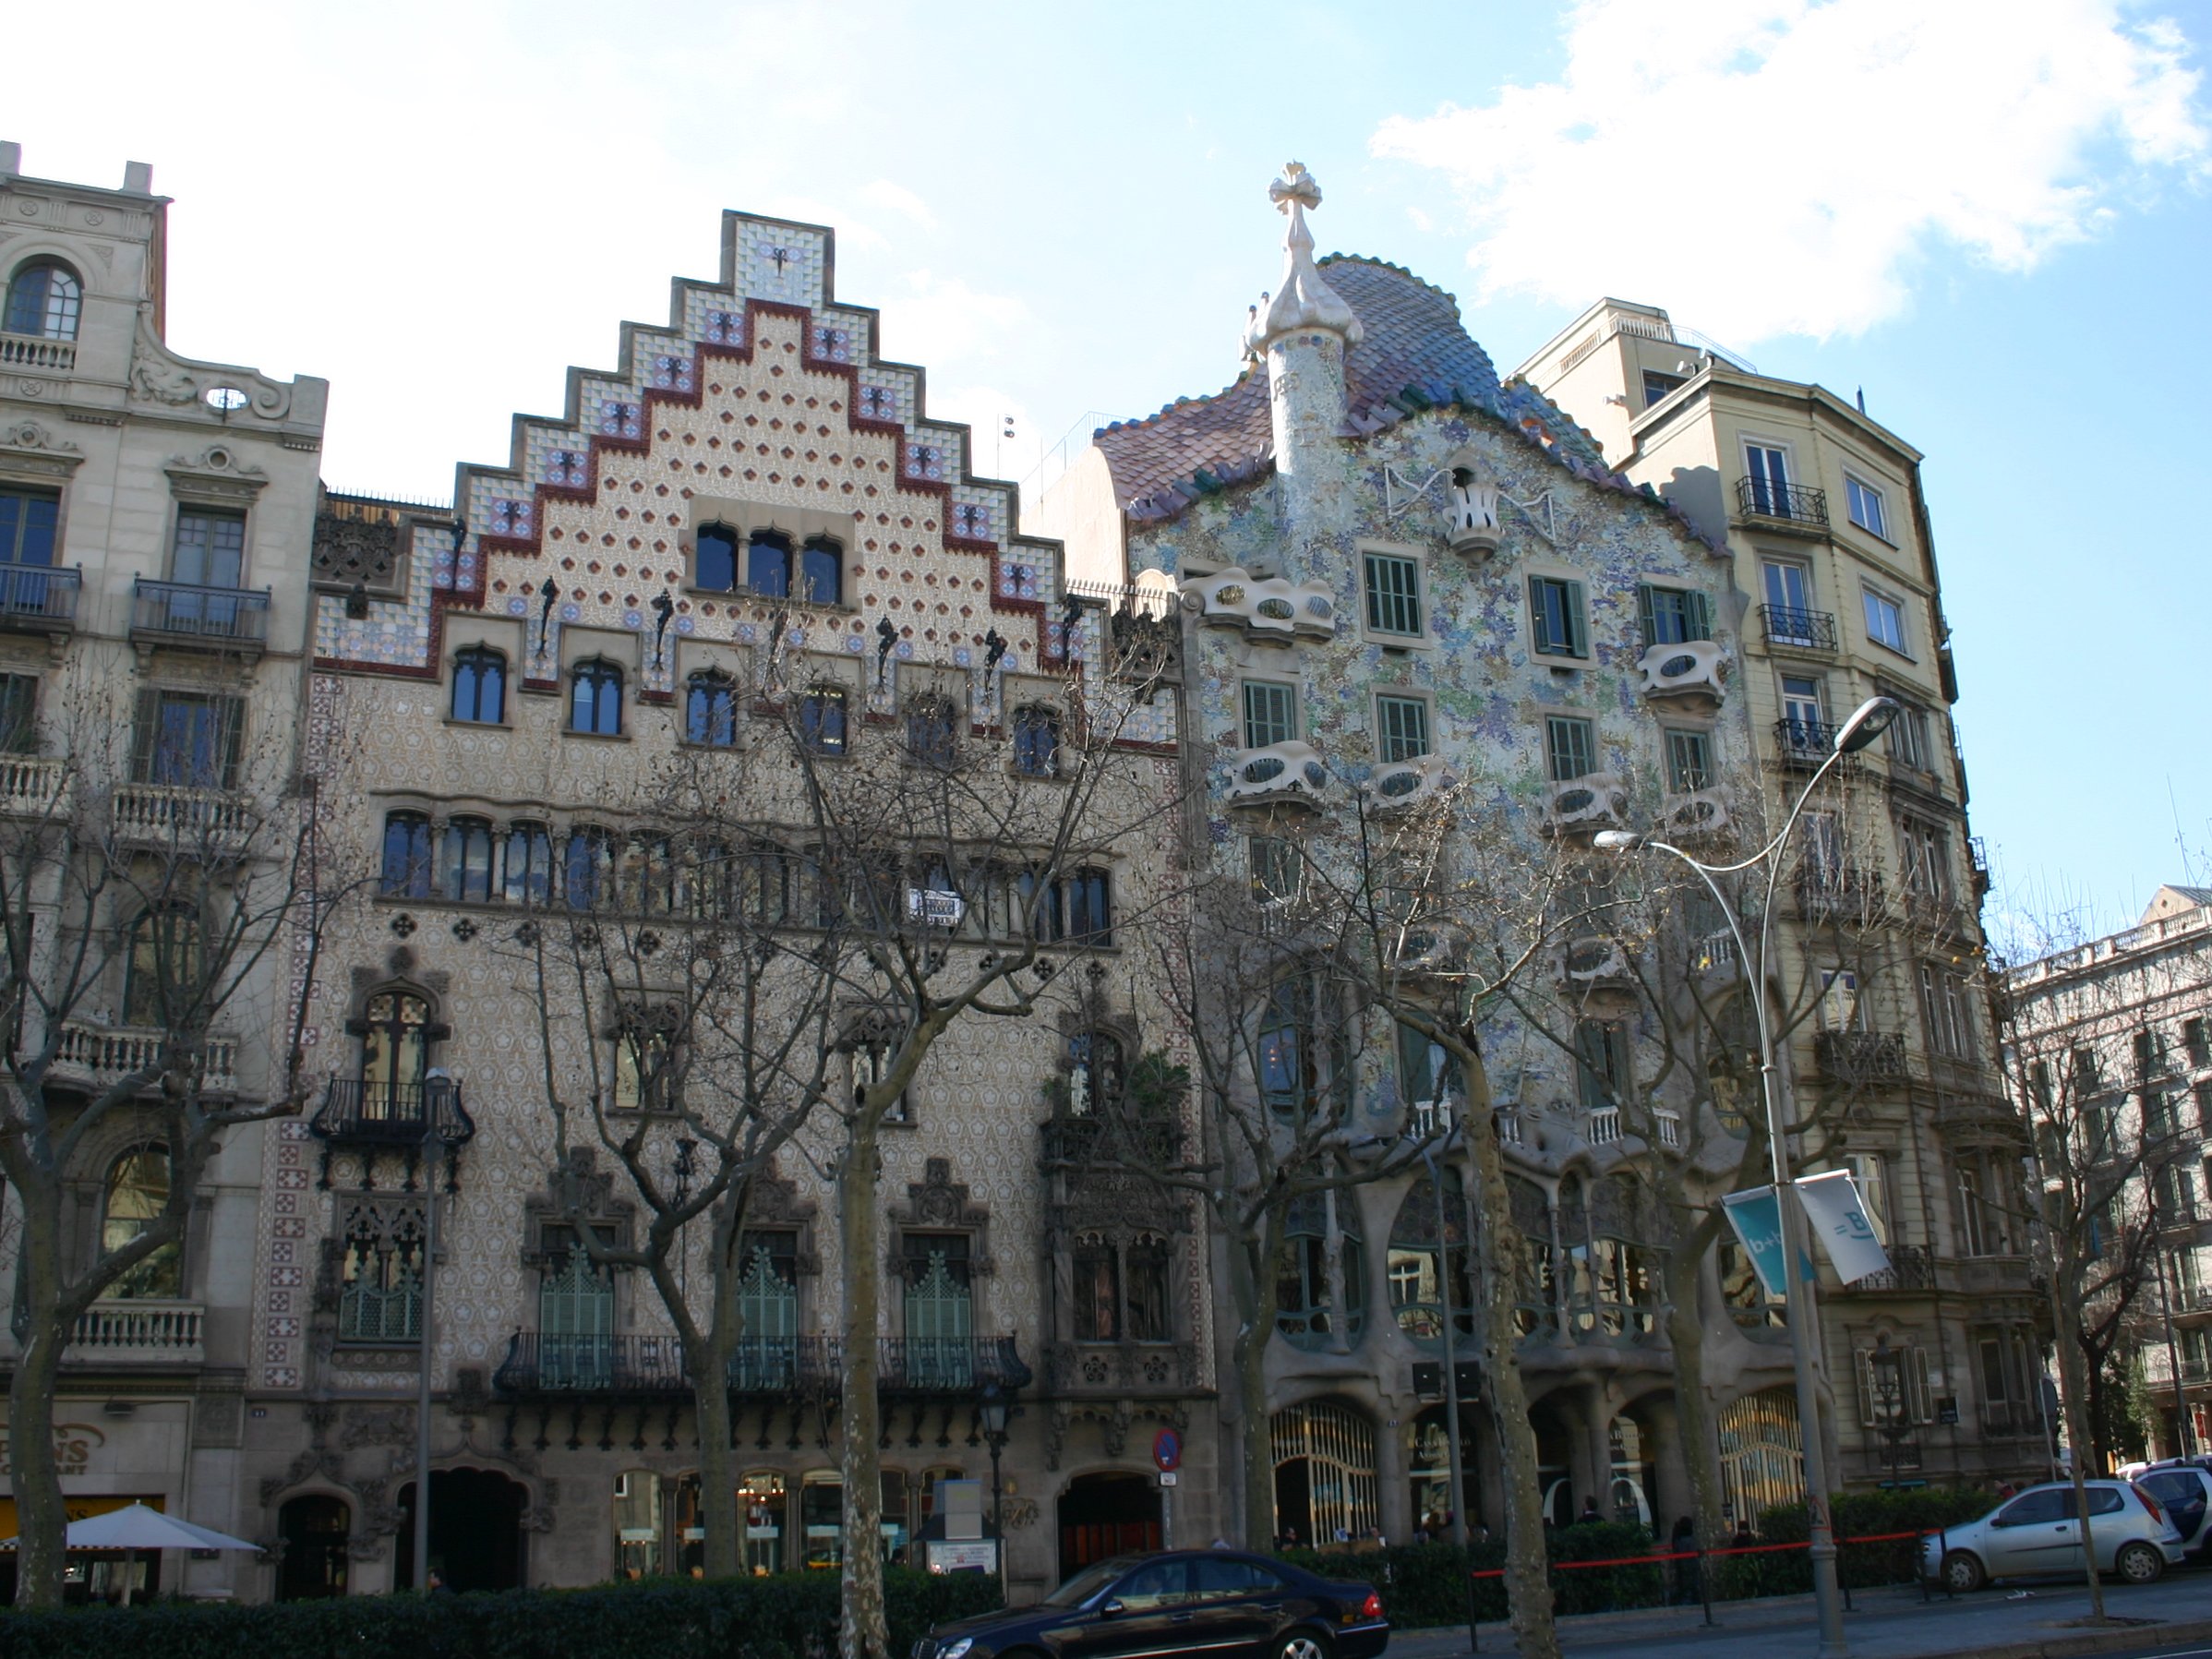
[
  {"x": 313, "y": 1528},
  {"x": 1762, "y": 1454},
  {"x": 1428, "y": 1467},
  {"x": 1106, "y": 1514},
  {"x": 1324, "y": 1472},
  {"x": 1554, "y": 1463},
  {"x": 475, "y": 1530}
]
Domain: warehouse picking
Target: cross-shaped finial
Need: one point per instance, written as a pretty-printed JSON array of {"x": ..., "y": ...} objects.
[{"x": 1296, "y": 185}]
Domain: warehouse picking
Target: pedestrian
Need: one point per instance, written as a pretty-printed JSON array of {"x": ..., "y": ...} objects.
[
  {"x": 1590, "y": 1516},
  {"x": 437, "y": 1583},
  {"x": 1682, "y": 1544}
]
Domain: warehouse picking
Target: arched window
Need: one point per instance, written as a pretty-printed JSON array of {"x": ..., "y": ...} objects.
[
  {"x": 1095, "y": 1072},
  {"x": 1120, "y": 1288},
  {"x": 645, "y": 1063},
  {"x": 480, "y": 686},
  {"x": 526, "y": 864},
  {"x": 595, "y": 699},
  {"x": 929, "y": 730},
  {"x": 768, "y": 1354},
  {"x": 1098, "y": 1290},
  {"x": 822, "y": 720},
  {"x": 395, "y": 1057},
  {"x": 715, "y": 561},
  {"x": 137, "y": 1191},
  {"x": 822, "y": 572},
  {"x": 637, "y": 1524},
  {"x": 1422, "y": 1268},
  {"x": 163, "y": 977},
  {"x": 768, "y": 564},
  {"x": 940, "y": 1353},
  {"x": 43, "y": 300},
  {"x": 590, "y": 868},
  {"x": 1305, "y": 1311},
  {"x": 575, "y": 1315},
  {"x": 406, "y": 856},
  {"x": 465, "y": 863},
  {"x": 1148, "y": 1267},
  {"x": 710, "y": 709},
  {"x": 1037, "y": 741}
]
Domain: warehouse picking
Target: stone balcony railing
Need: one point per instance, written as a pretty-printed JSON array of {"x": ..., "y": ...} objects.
[
  {"x": 1277, "y": 774},
  {"x": 96, "y": 1057},
  {"x": 1264, "y": 606},
  {"x": 35, "y": 351},
  {"x": 180, "y": 815},
  {"x": 33, "y": 786},
  {"x": 1694, "y": 671},
  {"x": 131, "y": 1332}
]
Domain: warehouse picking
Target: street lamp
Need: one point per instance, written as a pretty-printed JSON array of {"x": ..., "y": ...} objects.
[
  {"x": 1868, "y": 721},
  {"x": 991, "y": 1410},
  {"x": 1889, "y": 1403}
]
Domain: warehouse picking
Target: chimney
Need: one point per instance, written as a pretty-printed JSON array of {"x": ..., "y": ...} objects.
[
  {"x": 138, "y": 178},
  {"x": 11, "y": 158}
]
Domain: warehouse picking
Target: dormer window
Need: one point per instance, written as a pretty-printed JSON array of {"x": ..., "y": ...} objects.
[{"x": 44, "y": 299}]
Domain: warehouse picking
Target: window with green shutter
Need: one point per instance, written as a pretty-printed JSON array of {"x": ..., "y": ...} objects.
[
  {"x": 938, "y": 1353},
  {"x": 1556, "y": 613},
  {"x": 1673, "y": 614},
  {"x": 1570, "y": 747},
  {"x": 1393, "y": 594},
  {"x": 1688, "y": 761},
  {"x": 1270, "y": 713},
  {"x": 1400, "y": 728}
]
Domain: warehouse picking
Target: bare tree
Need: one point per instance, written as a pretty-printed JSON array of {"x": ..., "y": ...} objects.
[
  {"x": 165, "y": 893},
  {"x": 2089, "y": 1072}
]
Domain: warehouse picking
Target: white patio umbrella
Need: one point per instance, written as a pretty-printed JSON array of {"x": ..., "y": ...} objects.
[{"x": 134, "y": 1527}]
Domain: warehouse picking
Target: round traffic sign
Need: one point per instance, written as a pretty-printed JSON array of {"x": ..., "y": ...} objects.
[{"x": 1167, "y": 1450}]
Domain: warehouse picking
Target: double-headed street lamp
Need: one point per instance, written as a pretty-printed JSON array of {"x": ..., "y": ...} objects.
[{"x": 1868, "y": 721}]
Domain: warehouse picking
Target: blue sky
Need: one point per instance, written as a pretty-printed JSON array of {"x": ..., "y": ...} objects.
[{"x": 1993, "y": 218}]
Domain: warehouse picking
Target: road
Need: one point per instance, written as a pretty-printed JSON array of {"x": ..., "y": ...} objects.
[{"x": 2014, "y": 1621}]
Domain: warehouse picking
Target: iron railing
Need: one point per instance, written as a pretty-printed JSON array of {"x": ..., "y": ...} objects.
[
  {"x": 1798, "y": 503},
  {"x": 540, "y": 1363},
  {"x": 1109, "y": 1139},
  {"x": 375, "y": 1113},
  {"x": 1850, "y": 896},
  {"x": 1912, "y": 1267},
  {"x": 39, "y": 596},
  {"x": 1860, "y": 1057},
  {"x": 227, "y": 616},
  {"x": 1809, "y": 742},
  {"x": 1807, "y": 630}
]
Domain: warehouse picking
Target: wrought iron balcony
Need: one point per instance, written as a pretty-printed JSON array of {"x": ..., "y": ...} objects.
[
  {"x": 1787, "y": 503},
  {"x": 1912, "y": 1267},
  {"x": 219, "y": 618},
  {"x": 355, "y": 1112},
  {"x": 1860, "y": 1057},
  {"x": 1803, "y": 742},
  {"x": 548, "y": 1365},
  {"x": 1849, "y": 896},
  {"x": 39, "y": 598},
  {"x": 1797, "y": 630}
]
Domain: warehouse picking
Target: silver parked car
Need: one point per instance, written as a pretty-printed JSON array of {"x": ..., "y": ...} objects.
[
  {"x": 2039, "y": 1532},
  {"x": 2184, "y": 1486}
]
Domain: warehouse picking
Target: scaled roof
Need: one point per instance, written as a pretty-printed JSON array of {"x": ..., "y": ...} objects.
[{"x": 1414, "y": 355}]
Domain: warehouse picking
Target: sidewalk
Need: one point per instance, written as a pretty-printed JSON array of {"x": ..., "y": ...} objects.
[{"x": 1888, "y": 1624}]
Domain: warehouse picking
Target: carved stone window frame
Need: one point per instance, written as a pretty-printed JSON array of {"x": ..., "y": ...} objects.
[{"x": 937, "y": 1205}]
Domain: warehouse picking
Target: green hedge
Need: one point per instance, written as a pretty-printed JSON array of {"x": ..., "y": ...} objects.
[
  {"x": 1425, "y": 1584},
  {"x": 790, "y": 1617}
]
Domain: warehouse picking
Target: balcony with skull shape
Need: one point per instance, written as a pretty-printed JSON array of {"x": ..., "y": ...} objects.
[
  {"x": 1288, "y": 774},
  {"x": 1692, "y": 672},
  {"x": 1472, "y": 499},
  {"x": 1401, "y": 786},
  {"x": 1699, "y": 813},
  {"x": 1583, "y": 806},
  {"x": 1266, "y": 608},
  {"x": 1595, "y": 974}
]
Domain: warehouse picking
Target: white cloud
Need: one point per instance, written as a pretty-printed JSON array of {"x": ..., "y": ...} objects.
[
  {"x": 943, "y": 321},
  {"x": 899, "y": 199},
  {"x": 1766, "y": 167}
]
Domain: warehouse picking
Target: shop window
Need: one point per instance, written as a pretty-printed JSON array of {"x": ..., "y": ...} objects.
[
  {"x": 762, "y": 1498},
  {"x": 822, "y": 1520}
]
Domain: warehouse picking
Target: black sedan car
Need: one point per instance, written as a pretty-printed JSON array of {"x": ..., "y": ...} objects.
[{"x": 1219, "y": 1603}]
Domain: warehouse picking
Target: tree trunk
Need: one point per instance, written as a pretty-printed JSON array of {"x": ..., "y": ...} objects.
[
  {"x": 1254, "y": 1295},
  {"x": 862, "y": 1633},
  {"x": 2072, "y": 1400},
  {"x": 1693, "y": 1423},
  {"x": 1528, "y": 1576},
  {"x": 718, "y": 1510},
  {"x": 41, "y": 1521}
]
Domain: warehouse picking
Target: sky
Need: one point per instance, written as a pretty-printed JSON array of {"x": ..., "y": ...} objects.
[{"x": 1990, "y": 215}]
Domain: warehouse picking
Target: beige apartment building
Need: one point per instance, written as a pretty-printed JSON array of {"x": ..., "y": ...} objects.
[
  {"x": 156, "y": 513},
  {"x": 1836, "y": 598}
]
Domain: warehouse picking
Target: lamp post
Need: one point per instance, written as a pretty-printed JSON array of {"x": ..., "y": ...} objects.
[
  {"x": 1868, "y": 721},
  {"x": 992, "y": 1409},
  {"x": 437, "y": 1084}
]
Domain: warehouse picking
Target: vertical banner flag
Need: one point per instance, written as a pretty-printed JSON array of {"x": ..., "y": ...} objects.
[
  {"x": 1839, "y": 1221},
  {"x": 1758, "y": 1222}
]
